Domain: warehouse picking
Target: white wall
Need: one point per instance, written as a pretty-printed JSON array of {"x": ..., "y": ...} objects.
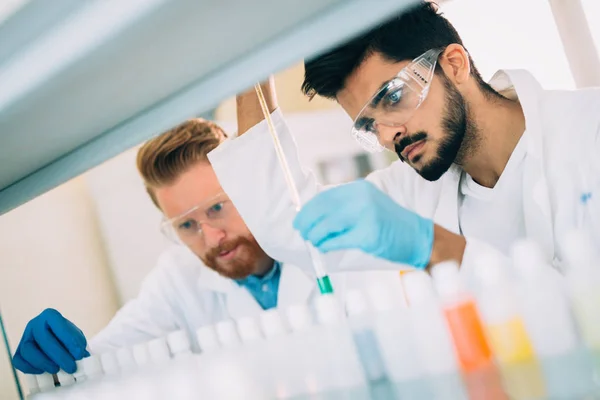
[
  {"x": 512, "y": 34},
  {"x": 51, "y": 256}
]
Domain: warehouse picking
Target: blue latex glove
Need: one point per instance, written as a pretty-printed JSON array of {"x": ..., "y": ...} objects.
[
  {"x": 50, "y": 342},
  {"x": 360, "y": 216}
]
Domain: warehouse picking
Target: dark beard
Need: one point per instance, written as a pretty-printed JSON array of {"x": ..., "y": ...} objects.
[{"x": 453, "y": 147}]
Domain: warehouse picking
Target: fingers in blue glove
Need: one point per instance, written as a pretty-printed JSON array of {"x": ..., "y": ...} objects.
[
  {"x": 67, "y": 333},
  {"x": 319, "y": 208},
  {"x": 343, "y": 241},
  {"x": 50, "y": 342},
  {"x": 23, "y": 366},
  {"x": 30, "y": 355},
  {"x": 59, "y": 339}
]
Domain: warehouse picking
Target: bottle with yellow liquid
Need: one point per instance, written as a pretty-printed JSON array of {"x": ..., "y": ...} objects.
[
  {"x": 513, "y": 350},
  {"x": 583, "y": 275},
  {"x": 547, "y": 315}
]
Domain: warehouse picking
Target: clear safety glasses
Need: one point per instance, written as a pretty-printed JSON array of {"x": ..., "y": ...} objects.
[
  {"x": 184, "y": 228},
  {"x": 397, "y": 100}
]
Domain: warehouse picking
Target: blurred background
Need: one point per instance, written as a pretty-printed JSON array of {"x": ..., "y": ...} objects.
[{"x": 84, "y": 247}]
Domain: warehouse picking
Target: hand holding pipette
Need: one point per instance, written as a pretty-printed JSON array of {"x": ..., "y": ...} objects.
[
  {"x": 322, "y": 278},
  {"x": 360, "y": 216}
]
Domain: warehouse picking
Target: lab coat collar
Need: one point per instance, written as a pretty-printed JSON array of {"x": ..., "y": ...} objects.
[{"x": 522, "y": 86}]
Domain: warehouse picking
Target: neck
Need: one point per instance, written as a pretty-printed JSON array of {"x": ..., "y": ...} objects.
[
  {"x": 497, "y": 125},
  {"x": 263, "y": 266}
]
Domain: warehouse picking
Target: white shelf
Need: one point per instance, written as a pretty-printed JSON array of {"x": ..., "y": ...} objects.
[{"x": 98, "y": 77}]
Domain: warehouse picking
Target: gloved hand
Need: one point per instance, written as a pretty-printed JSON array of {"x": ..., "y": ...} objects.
[
  {"x": 50, "y": 342},
  {"x": 360, "y": 216}
]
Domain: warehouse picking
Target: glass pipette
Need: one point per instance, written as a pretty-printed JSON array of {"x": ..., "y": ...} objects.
[{"x": 323, "y": 280}]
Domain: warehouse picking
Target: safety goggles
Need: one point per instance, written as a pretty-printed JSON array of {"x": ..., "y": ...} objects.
[
  {"x": 184, "y": 228},
  {"x": 397, "y": 100}
]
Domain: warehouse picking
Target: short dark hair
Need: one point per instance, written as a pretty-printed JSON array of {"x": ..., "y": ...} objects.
[{"x": 404, "y": 37}]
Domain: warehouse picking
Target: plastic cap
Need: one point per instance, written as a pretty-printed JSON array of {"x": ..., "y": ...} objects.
[
  {"x": 207, "y": 338},
  {"x": 418, "y": 287},
  {"x": 227, "y": 333},
  {"x": 356, "y": 303},
  {"x": 179, "y": 342},
  {"x": 528, "y": 259},
  {"x": 272, "y": 323},
  {"x": 141, "y": 355},
  {"x": 381, "y": 298},
  {"x": 45, "y": 381},
  {"x": 249, "y": 329},
  {"x": 447, "y": 279},
  {"x": 125, "y": 359},
  {"x": 299, "y": 317},
  {"x": 328, "y": 309},
  {"x": 110, "y": 364},
  {"x": 491, "y": 269},
  {"x": 159, "y": 350},
  {"x": 64, "y": 378},
  {"x": 92, "y": 366},
  {"x": 32, "y": 383},
  {"x": 579, "y": 250}
]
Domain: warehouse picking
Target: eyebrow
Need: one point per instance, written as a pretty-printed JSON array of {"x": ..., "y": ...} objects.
[
  {"x": 381, "y": 93},
  {"x": 362, "y": 122}
]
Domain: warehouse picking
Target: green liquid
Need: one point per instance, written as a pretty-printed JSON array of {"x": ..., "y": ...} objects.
[{"x": 325, "y": 285}]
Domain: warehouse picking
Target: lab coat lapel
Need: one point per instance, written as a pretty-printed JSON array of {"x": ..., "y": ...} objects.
[
  {"x": 537, "y": 208},
  {"x": 295, "y": 286},
  {"x": 236, "y": 301}
]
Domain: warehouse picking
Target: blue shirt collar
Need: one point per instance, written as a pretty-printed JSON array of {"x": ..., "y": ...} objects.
[{"x": 253, "y": 279}]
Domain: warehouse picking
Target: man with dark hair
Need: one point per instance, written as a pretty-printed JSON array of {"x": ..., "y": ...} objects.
[{"x": 482, "y": 165}]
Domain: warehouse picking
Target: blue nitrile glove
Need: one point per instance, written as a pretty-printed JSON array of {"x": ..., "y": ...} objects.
[
  {"x": 360, "y": 216},
  {"x": 50, "y": 342}
]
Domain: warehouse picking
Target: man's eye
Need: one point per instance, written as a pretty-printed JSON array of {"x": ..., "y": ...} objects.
[
  {"x": 370, "y": 126},
  {"x": 393, "y": 98},
  {"x": 187, "y": 225},
  {"x": 216, "y": 208}
]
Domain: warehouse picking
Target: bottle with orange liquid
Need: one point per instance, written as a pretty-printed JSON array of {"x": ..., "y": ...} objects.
[{"x": 468, "y": 336}]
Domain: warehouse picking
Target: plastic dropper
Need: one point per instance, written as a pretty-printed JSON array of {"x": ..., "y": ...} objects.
[{"x": 323, "y": 280}]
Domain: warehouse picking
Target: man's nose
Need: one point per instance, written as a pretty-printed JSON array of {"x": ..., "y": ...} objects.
[
  {"x": 390, "y": 135},
  {"x": 212, "y": 236}
]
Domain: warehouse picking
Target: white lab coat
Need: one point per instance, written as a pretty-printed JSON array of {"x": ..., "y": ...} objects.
[
  {"x": 182, "y": 293},
  {"x": 562, "y": 142}
]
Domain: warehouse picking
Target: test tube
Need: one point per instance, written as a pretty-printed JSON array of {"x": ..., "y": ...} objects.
[
  {"x": 45, "y": 381},
  {"x": 32, "y": 384},
  {"x": 110, "y": 364},
  {"x": 125, "y": 359},
  {"x": 64, "y": 378},
  {"x": 207, "y": 338},
  {"x": 179, "y": 343},
  {"x": 363, "y": 333}
]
